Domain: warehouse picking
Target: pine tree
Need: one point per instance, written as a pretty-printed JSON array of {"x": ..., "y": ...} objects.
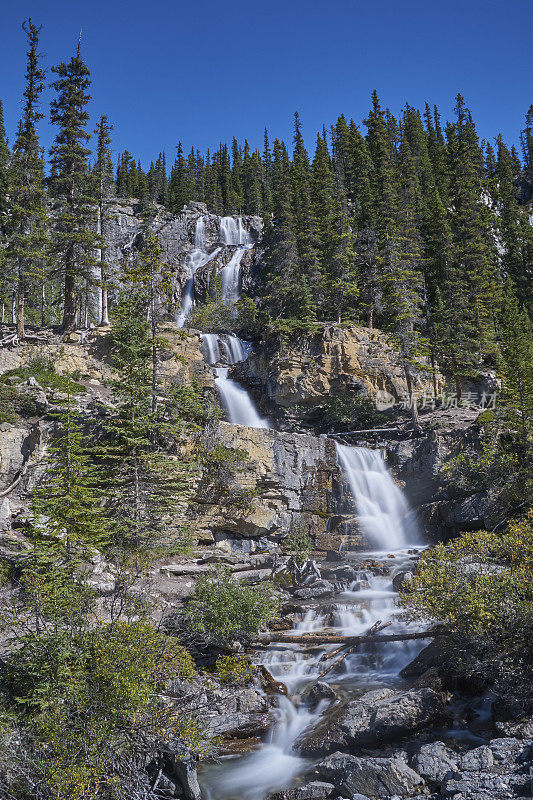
[
  {"x": 286, "y": 291},
  {"x": 526, "y": 139},
  {"x": 304, "y": 221},
  {"x": 142, "y": 482},
  {"x": 472, "y": 226},
  {"x": 335, "y": 240},
  {"x": 179, "y": 190},
  {"x": 4, "y": 171},
  {"x": 103, "y": 177},
  {"x": 67, "y": 504},
  {"x": 74, "y": 235},
  {"x": 516, "y": 345},
  {"x": 26, "y": 212}
]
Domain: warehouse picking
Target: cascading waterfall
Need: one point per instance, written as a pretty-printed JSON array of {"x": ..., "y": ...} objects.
[
  {"x": 384, "y": 514},
  {"x": 198, "y": 258},
  {"x": 230, "y": 350},
  {"x": 232, "y": 232},
  {"x": 382, "y": 510},
  {"x": 223, "y": 350}
]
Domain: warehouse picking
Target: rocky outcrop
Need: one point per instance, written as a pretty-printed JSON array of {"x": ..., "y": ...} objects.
[
  {"x": 379, "y": 716},
  {"x": 122, "y": 230},
  {"x": 337, "y": 361},
  {"x": 289, "y": 477},
  {"x": 370, "y": 777}
]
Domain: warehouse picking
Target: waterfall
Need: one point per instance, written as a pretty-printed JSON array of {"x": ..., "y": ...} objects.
[
  {"x": 229, "y": 350},
  {"x": 381, "y": 507},
  {"x": 198, "y": 258},
  {"x": 233, "y": 232},
  {"x": 237, "y": 402},
  {"x": 230, "y": 277}
]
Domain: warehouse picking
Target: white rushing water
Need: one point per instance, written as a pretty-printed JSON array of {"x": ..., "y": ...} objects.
[
  {"x": 382, "y": 509},
  {"x": 233, "y": 232},
  {"x": 227, "y": 349},
  {"x": 198, "y": 258},
  {"x": 269, "y": 768},
  {"x": 385, "y": 517}
]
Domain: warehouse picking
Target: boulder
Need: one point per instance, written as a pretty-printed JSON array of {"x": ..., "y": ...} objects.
[
  {"x": 315, "y": 790},
  {"x": 434, "y": 761},
  {"x": 372, "y": 777},
  {"x": 481, "y": 758},
  {"x": 317, "y": 589},
  {"x": 379, "y": 716},
  {"x": 319, "y": 691},
  {"x": 180, "y": 769},
  {"x": 401, "y": 581}
]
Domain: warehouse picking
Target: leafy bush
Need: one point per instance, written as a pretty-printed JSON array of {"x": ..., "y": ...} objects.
[
  {"x": 236, "y": 670},
  {"x": 220, "y": 464},
  {"x": 14, "y": 404},
  {"x": 480, "y": 585},
  {"x": 298, "y": 542},
  {"x": 223, "y": 608}
]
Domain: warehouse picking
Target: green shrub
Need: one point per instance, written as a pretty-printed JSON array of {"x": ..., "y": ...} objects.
[
  {"x": 222, "y": 608},
  {"x": 14, "y": 404},
  {"x": 236, "y": 670},
  {"x": 41, "y": 366},
  {"x": 298, "y": 542},
  {"x": 480, "y": 585}
]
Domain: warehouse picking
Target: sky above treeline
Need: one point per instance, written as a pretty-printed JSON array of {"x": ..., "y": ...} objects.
[{"x": 203, "y": 71}]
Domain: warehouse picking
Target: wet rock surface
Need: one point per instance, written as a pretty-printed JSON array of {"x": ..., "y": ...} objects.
[
  {"x": 372, "y": 777},
  {"x": 379, "y": 716}
]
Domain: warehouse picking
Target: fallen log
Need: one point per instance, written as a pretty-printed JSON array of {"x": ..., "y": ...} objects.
[
  {"x": 327, "y": 638},
  {"x": 371, "y": 633}
]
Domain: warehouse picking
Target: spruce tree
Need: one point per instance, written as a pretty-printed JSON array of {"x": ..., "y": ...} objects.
[
  {"x": 179, "y": 190},
  {"x": 516, "y": 346},
  {"x": 4, "y": 171},
  {"x": 74, "y": 234},
  {"x": 472, "y": 226},
  {"x": 303, "y": 215},
  {"x": 103, "y": 177},
  {"x": 27, "y": 212},
  {"x": 67, "y": 505}
]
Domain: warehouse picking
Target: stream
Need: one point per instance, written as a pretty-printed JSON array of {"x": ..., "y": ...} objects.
[{"x": 386, "y": 520}]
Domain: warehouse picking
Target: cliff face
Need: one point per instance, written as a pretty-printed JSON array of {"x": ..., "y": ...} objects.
[
  {"x": 291, "y": 479},
  {"x": 336, "y": 361},
  {"x": 122, "y": 231}
]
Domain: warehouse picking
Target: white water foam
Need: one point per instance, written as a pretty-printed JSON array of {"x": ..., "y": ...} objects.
[{"x": 382, "y": 509}]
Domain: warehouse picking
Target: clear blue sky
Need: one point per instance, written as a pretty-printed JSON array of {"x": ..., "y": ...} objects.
[{"x": 205, "y": 70}]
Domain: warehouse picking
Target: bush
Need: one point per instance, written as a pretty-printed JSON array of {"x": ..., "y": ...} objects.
[
  {"x": 298, "y": 542},
  {"x": 41, "y": 366},
  {"x": 222, "y": 608},
  {"x": 480, "y": 585},
  {"x": 14, "y": 404},
  {"x": 236, "y": 670}
]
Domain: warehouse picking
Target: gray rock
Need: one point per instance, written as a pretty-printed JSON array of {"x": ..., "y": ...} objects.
[
  {"x": 481, "y": 758},
  {"x": 434, "y": 761},
  {"x": 379, "y": 716},
  {"x": 316, "y": 790},
  {"x": 505, "y": 749},
  {"x": 317, "y": 589},
  {"x": 319, "y": 691},
  {"x": 476, "y": 785},
  {"x": 401, "y": 581},
  {"x": 373, "y": 777},
  {"x": 180, "y": 768}
]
